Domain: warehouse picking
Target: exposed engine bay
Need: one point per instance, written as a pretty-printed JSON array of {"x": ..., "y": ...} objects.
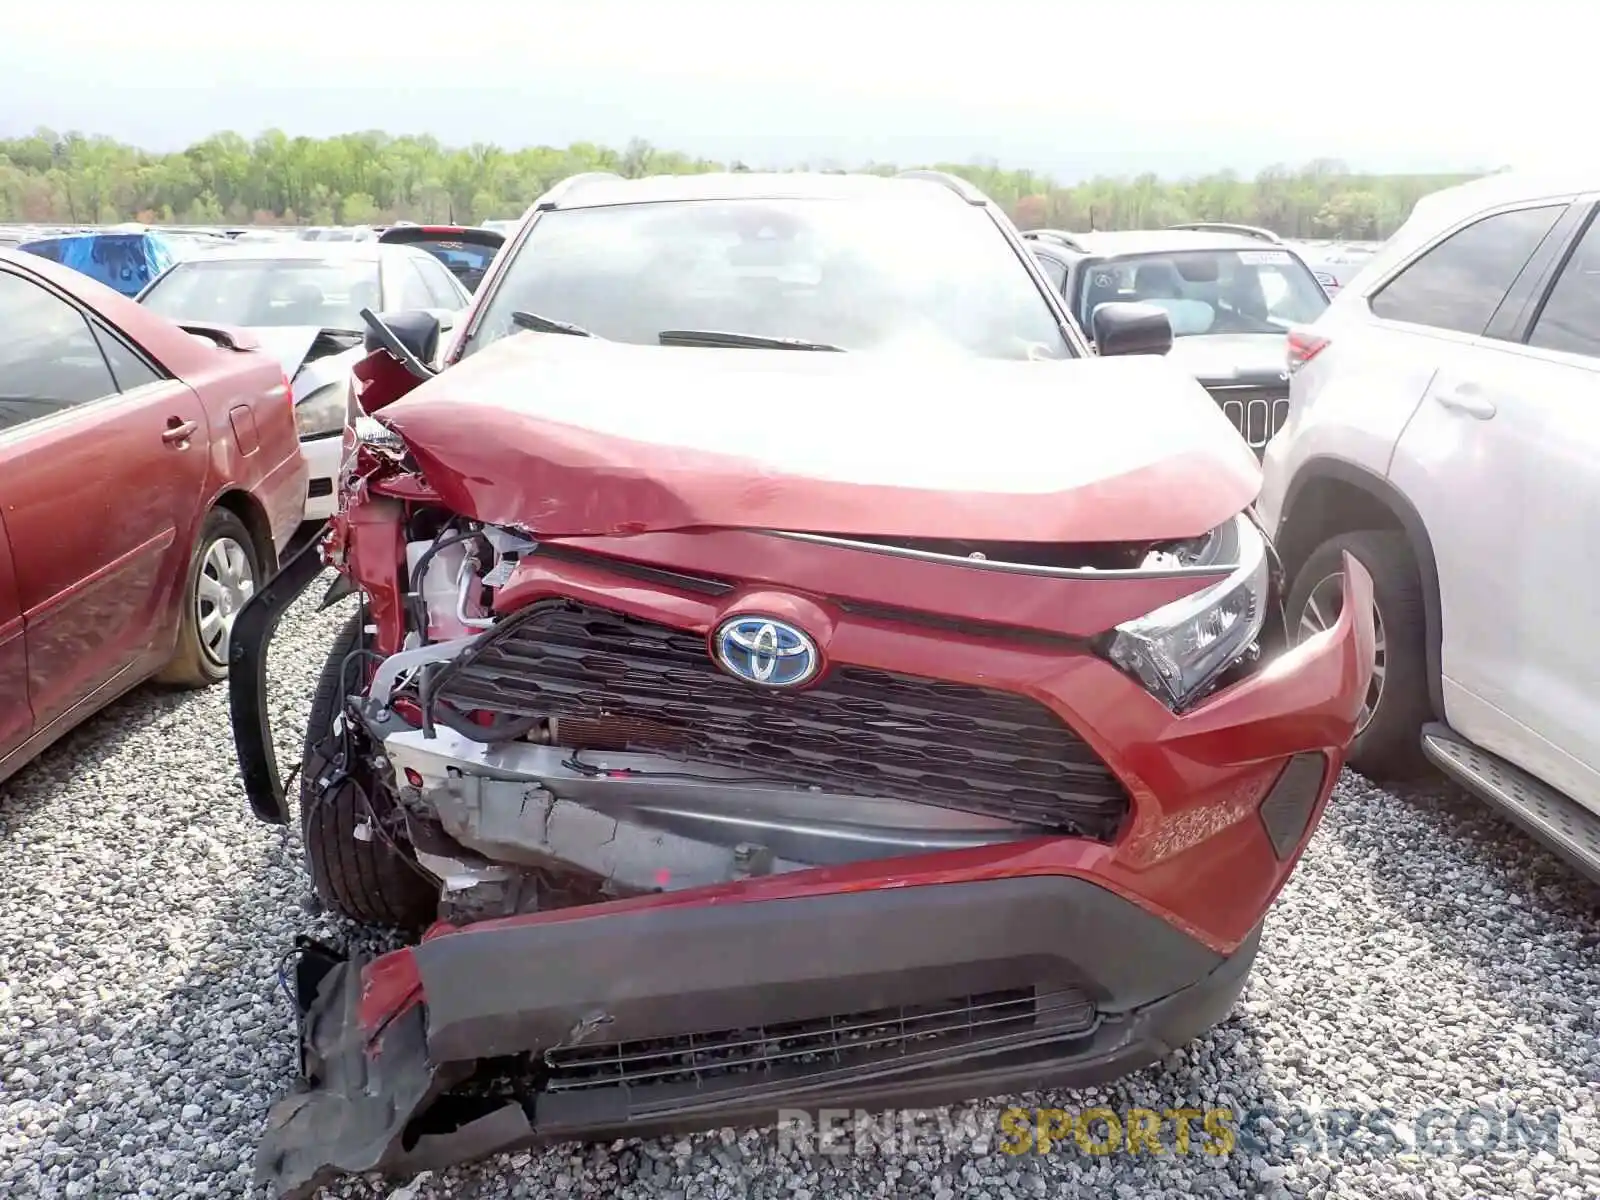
[
  {"x": 569, "y": 752},
  {"x": 560, "y": 749}
]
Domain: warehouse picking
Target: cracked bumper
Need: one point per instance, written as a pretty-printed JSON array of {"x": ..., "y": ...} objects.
[{"x": 385, "y": 1041}]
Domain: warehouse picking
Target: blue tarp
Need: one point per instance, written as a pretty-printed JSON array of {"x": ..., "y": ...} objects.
[{"x": 124, "y": 261}]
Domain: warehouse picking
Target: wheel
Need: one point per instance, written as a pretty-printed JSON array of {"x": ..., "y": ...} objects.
[
  {"x": 366, "y": 875},
  {"x": 222, "y": 575},
  {"x": 1388, "y": 740}
]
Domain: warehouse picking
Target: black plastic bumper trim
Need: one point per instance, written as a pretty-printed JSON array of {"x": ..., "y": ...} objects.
[
  {"x": 1286, "y": 809},
  {"x": 660, "y": 972},
  {"x": 377, "y": 1106},
  {"x": 248, "y": 711}
]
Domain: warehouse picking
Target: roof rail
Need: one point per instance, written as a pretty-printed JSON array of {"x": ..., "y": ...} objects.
[
  {"x": 961, "y": 187},
  {"x": 570, "y": 184},
  {"x": 1249, "y": 231},
  {"x": 1059, "y": 236}
]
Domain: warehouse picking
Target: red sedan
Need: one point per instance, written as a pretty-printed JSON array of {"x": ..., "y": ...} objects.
[{"x": 149, "y": 476}]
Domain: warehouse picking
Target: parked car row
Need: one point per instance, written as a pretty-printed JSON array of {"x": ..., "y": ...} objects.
[
  {"x": 465, "y": 249},
  {"x": 149, "y": 479},
  {"x": 171, "y": 410},
  {"x": 1418, "y": 421},
  {"x": 299, "y": 291},
  {"x": 302, "y": 301}
]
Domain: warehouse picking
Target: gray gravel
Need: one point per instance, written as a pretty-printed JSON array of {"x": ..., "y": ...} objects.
[{"x": 1424, "y": 957}]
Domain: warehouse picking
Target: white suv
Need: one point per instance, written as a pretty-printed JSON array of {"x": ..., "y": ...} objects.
[{"x": 1444, "y": 427}]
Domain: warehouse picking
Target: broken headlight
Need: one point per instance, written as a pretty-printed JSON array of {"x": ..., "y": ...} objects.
[
  {"x": 1179, "y": 650},
  {"x": 369, "y": 431},
  {"x": 324, "y": 412}
]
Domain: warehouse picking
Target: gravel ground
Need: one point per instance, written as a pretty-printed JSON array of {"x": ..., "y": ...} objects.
[{"x": 1424, "y": 957}]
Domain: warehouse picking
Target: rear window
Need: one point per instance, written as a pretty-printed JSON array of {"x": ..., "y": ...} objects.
[
  {"x": 1208, "y": 291},
  {"x": 326, "y": 293},
  {"x": 467, "y": 262}
]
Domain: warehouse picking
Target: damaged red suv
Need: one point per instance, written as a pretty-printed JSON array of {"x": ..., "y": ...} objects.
[{"x": 791, "y": 670}]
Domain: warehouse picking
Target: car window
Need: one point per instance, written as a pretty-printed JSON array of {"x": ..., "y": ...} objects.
[
  {"x": 414, "y": 290},
  {"x": 1460, "y": 283},
  {"x": 462, "y": 260},
  {"x": 267, "y": 292},
  {"x": 853, "y": 273},
  {"x": 49, "y": 360},
  {"x": 1208, "y": 291},
  {"x": 128, "y": 370},
  {"x": 1054, "y": 270},
  {"x": 439, "y": 282},
  {"x": 1570, "y": 319}
]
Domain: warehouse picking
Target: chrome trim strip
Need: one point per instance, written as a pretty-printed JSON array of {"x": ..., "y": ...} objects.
[{"x": 989, "y": 564}]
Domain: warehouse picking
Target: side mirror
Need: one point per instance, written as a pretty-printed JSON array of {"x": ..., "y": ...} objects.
[
  {"x": 417, "y": 330},
  {"x": 1127, "y": 328}
]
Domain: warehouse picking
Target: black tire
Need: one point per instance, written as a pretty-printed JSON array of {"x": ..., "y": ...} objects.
[
  {"x": 194, "y": 662},
  {"x": 373, "y": 881},
  {"x": 1390, "y": 747}
]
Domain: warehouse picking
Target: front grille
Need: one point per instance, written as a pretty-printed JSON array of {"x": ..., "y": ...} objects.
[
  {"x": 635, "y": 685},
  {"x": 798, "y": 1047},
  {"x": 1256, "y": 412}
]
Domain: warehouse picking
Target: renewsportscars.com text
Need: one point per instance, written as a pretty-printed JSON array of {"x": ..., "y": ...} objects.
[{"x": 1214, "y": 1131}]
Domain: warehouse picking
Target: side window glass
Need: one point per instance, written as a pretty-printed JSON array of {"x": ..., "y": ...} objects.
[
  {"x": 414, "y": 289},
  {"x": 127, "y": 368},
  {"x": 1460, "y": 282},
  {"x": 432, "y": 298},
  {"x": 441, "y": 283},
  {"x": 1054, "y": 270},
  {"x": 49, "y": 360},
  {"x": 1570, "y": 319}
]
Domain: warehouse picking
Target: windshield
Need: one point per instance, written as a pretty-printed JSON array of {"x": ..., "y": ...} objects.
[
  {"x": 863, "y": 276},
  {"x": 329, "y": 294},
  {"x": 1208, "y": 291}
]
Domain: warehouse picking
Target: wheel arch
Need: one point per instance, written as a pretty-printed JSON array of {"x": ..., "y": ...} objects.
[
  {"x": 248, "y": 509},
  {"x": 1330, "y": 496}
]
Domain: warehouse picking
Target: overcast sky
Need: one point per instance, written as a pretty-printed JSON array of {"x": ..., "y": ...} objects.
[{"x": 1070, "y": 88}]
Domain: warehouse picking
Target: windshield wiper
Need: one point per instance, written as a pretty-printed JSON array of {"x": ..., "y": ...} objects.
[
  {"x": 533, "y": 321},
  {"x": 754, "y": 341}
]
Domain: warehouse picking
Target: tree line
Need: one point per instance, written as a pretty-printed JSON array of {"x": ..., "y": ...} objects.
[{"x": 363, "y": 178}]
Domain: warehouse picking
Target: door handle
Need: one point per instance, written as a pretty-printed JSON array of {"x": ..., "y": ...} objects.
[
  {"x": 1466, "y": 400},
  {"x": 178, "y": 431}
]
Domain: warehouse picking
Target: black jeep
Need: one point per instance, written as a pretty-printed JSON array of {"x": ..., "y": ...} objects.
[{"x": 1232, "y": 291}]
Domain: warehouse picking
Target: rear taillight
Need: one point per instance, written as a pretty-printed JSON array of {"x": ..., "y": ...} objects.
[{"x": 1303, "y": 347}]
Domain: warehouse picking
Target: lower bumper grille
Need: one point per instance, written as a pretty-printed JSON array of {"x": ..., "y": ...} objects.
[
  {"x": 1256, "y": 412},
  {"x": 616, "y": 683},
  {"x": 845, "y": 1040}
]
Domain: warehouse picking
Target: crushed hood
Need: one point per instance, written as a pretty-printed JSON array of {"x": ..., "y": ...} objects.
[
  {"x": 291, "y": 344},
  {"x": 569, "y": 436}
]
